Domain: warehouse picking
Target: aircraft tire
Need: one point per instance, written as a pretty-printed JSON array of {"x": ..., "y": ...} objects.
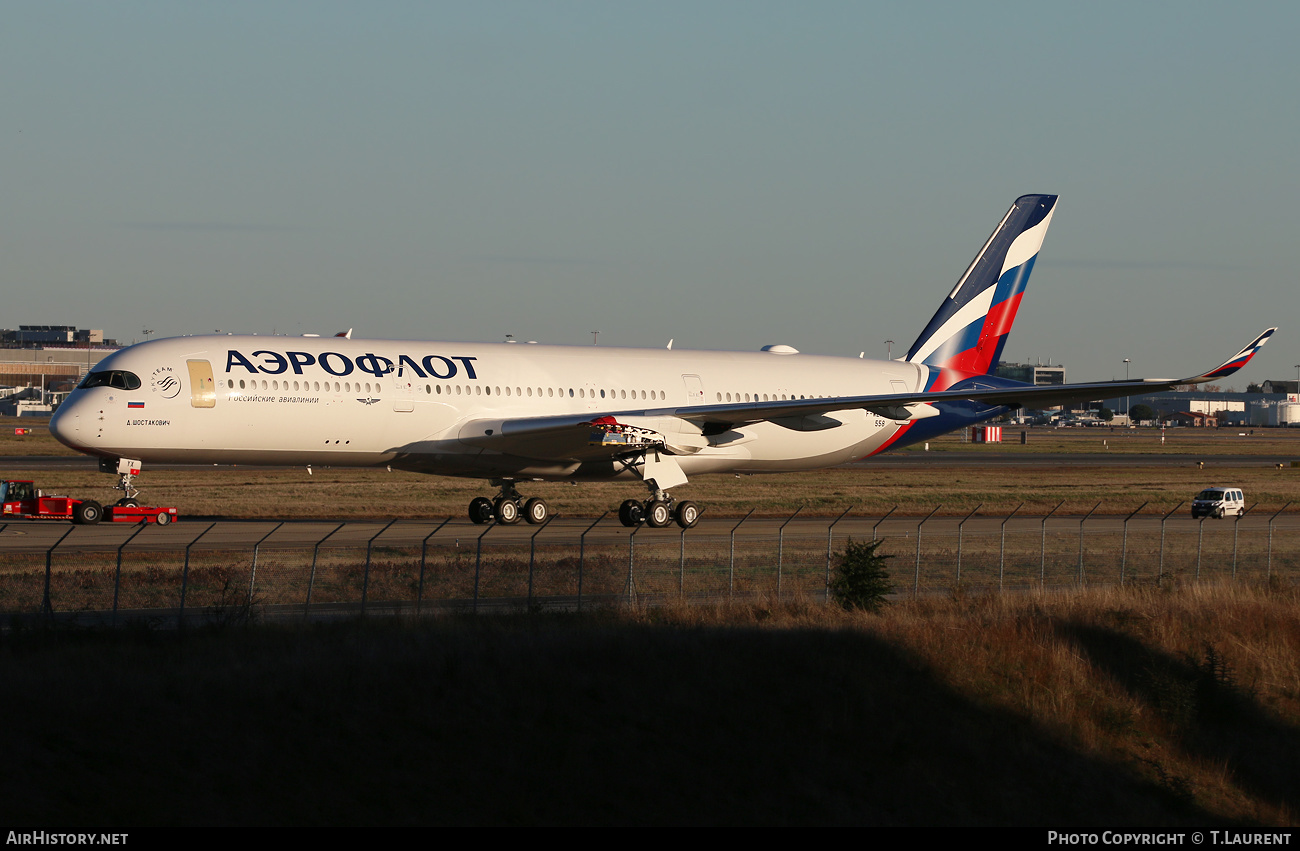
[
  {"x": 687, "y": 514},
  {"x": 87, "y": 513},
  {"x": 480, "y": 510},
  {"x": 658, "y": 514},
  {"x": 127, "y": 502},
  {"x": 535, "y": 511},
  {"x": 630, "y": 513},
  {"x": 507, "y": 511}
]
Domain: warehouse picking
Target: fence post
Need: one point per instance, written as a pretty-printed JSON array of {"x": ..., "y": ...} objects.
[
  {"x": 731, "y": 571},
  {"x": 185, "y": 575},
  {"x": 1002, "y": 550},
  {"x": 1235, "y": 523},
  {"x": 365, "y": 576},
  {"x": 532, "y": 553},
  {"x": 959, "y": 529},
  {"x": 117, "y": 575},
  {"x": 1081, "y": 522},
  {"x": 1200, "y": 535},
  {"x": 47, "y": 608},
  {"x": 780, "y": 549},
  {"x": 829, "y": 532},
  {"x": 681, "y": 563},
  {"x": 311, "y": 577},
  {"x": 1160, "y": 573},
  {"x": 1269, "y": 570},
  {"x": 1042, "y": 548},
  {"x": 1123, "y": 556},
  {"x": 424, "y": 552},
  {"x": 629, "y": 585},
  {"x": 478, "y": 561},
  {"x": 881, "y": 520},
  {"x": 582, "y": 554},
  {"x": 916, "y": 582},
  {"x": 252, "y": 573}
]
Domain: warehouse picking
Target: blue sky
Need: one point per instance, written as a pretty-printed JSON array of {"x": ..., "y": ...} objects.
[{"x": 725, "y": 174}]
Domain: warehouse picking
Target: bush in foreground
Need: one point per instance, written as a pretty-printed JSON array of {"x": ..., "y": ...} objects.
[{"x": 862, "y": 580}]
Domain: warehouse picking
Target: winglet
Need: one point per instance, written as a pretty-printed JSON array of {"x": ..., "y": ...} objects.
[{"x": 1235, "y": 362}]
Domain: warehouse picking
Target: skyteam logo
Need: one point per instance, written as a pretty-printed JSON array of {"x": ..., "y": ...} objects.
[{"x": 165, "y": 382}]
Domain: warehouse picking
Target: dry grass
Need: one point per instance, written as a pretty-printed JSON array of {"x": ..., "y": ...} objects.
[
  {"x": 1195, "y": 689},
  {"x": 1153, "y": 706}
]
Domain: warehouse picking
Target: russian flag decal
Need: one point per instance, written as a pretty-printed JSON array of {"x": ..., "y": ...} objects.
[{"x": 135, "y": 404}]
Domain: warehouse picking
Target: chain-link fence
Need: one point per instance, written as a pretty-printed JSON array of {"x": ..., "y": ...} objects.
[{"x": 236, "y": 570}]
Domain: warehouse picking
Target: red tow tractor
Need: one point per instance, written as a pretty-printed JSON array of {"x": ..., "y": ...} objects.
[{"x": 22, "y": 499}]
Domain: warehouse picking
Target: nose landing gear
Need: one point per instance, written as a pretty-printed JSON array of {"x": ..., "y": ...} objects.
[{"x": 126, "y": 470}]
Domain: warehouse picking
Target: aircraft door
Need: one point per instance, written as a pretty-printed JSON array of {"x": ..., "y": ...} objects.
[
  {"x": 403, "y": 393},
  {"x": 694, "y": 389},
  {"x": 203, "y": 389}
]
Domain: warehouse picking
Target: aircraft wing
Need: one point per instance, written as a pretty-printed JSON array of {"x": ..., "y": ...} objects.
[
  {"x": 580, "y": 437},
  {"x": 906, "y": 406}
]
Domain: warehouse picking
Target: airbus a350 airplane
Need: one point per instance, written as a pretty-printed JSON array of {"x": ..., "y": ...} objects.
[{"x": 514, "y": 412}]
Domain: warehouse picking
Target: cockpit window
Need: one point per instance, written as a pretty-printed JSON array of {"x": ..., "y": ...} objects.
[{"x": 119, "y": 378}]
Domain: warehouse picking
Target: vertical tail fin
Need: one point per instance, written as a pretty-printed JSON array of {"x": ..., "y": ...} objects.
[{"x": 967, "y": 334}]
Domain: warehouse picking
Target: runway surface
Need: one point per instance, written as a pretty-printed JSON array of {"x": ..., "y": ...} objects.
[{"x": 208, "y": 534}]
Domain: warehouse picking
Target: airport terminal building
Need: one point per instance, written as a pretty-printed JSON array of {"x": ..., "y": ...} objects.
[{"x": 39, "y": 364}]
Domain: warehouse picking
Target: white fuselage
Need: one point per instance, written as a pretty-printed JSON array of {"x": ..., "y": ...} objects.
[{"x": 334, "y": 401}]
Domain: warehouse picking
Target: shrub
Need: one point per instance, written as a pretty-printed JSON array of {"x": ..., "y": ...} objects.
[{"x": 861, "y": 580}]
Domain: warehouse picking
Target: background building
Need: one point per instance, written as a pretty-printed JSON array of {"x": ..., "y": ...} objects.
[
  {"x": 40, "y": 364},
  {"x": 1029, "y": 373}
]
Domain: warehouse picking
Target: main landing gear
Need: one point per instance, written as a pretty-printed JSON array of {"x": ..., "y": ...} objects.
[
  {"x": 659, "y": 511},
  {"x": 508, "y": 507}
]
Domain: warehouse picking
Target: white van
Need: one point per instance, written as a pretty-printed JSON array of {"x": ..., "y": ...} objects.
[{"x": 1219, "y": 502}]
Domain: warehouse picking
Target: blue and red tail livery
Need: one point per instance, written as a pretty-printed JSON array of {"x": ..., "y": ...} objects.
[{"x": 967, "y": 334}]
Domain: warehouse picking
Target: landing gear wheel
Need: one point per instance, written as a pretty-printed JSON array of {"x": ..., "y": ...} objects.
[
  {"x": 658, "y": 514},
  {"x": 163, "y": 518},
  {"x": 87, "y": 513},
  {"x": 535, "y": 511},
  {"x": 480, "y": 510},
  {"x": 630, "y": 513},
  {"x": 687, "y": 514},
  {"x": 127, "y": 502},
  {"x": 507, "y": 511}
]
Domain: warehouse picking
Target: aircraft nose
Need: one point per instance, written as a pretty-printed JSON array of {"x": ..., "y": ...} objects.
[{"x": 68, "y": 424}]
